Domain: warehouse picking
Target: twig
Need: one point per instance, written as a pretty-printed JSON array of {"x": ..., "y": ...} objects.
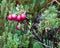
[
  {"x": 58, "y": 12},
  {"x": 54, "y": 1},
  {"x": 51, "y": 3},
  {"x": 39, "y": 41},
  {"x": 43, "y": 44},
  {"x": 57, "y": 2}
]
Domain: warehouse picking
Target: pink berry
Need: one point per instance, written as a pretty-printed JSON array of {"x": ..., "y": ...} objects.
[
  {"x": 14, "y": 16},
  {"x": 23, "y": 16},
  {"x": 9, "y": 17},
  {"x": 18, "y": 18},
  {"x": 18, "y": 27}
]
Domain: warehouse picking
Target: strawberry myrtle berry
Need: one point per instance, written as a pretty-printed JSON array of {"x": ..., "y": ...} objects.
[
  {"x": 18, "y": 18},
  {"x": 18, "y": 26},
  {"x": 9, "y": 17},
  {"x": 14, "y": 16},
  {"x": 23, "y": 16}
]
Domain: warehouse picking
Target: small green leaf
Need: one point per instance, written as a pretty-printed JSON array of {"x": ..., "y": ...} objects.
[{"x": 37, "y": 45}]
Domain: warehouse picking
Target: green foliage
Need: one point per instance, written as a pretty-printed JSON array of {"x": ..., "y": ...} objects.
[
  {"x": 0, "y": 38},
  {"x": 59, "y": 44},
  {"x": 50, "y": 18},
  {"x": 37, "y": 45},
  {"x": 13, "y": 40}
]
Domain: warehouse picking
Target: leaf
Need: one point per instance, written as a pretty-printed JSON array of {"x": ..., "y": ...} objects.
[
  {"x": 59, "y": 44},
  {"x": 0, "y": 38},
  {"x": 42, "y": 2},
  {"x": 27, "y": 42},
  {"x": 37, "y": 45}
]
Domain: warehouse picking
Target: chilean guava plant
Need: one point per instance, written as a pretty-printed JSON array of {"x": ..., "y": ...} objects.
[{"x": 29, "y": 23}]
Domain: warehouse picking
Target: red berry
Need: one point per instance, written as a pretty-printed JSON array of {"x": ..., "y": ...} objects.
[
  {"x": 14, "y": 16},
  {"x": 18, "y": 18},
  {"x": 18, "y": 27},
  {"x": 23, "y": 16},
  {"x": 9, "y": 17}
]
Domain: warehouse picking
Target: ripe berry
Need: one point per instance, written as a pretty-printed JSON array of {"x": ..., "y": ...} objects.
[
  {"x": 23, "y": 16},
  {"x": 18, "y": 26},
  {"x": 9, "y": 17},
  {"x": 14, "y": 16},
  {"x": 18, "y": 18}
]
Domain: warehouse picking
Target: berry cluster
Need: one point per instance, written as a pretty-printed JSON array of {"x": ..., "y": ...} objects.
[{"x": 18, "y": 18}]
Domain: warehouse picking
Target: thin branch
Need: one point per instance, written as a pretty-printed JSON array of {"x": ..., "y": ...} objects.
[
  {"x": 51, "y": 3},
  {"x": 58, "y": 12},
  {"x": 57, "y": 2},
  {"x": 43, "y": 44}
]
